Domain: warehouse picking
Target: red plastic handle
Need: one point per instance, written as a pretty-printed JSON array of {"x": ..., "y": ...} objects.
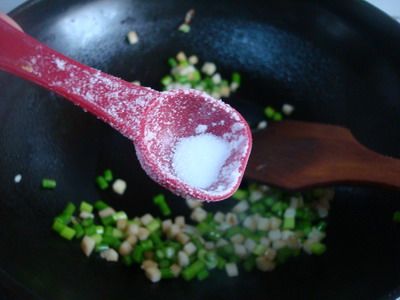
[{"x": 117, "y": 102}]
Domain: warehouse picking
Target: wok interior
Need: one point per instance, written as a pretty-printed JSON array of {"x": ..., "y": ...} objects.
[{"x": 318, "y": 58}]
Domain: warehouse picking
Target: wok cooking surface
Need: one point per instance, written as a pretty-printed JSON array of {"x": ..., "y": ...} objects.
[{"x": 336, "y": 63}]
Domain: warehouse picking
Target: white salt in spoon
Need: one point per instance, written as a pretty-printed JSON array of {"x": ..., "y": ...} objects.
[{"x": 188, "y": 142}]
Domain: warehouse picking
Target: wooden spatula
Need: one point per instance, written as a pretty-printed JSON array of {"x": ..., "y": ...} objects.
[{"x": 295, "y": 155}]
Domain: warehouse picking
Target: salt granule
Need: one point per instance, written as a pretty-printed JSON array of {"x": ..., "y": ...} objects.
[{"x": 198, "y": 159}]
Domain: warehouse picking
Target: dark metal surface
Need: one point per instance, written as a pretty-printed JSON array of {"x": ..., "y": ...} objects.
[{"x": 336, "y": 62}]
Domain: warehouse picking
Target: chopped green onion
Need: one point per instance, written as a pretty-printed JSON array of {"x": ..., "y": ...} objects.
[
  {"x": 166, "y": 80},
  {"x": 101, "y": 182},
  {"x": 269, "y": 112},
  {"x": 147, "y": 245},
  {"x": 396, "y": 216},
  {"x": 166, "y": 273},
  {"x": 58, "y": 225},
  {"x": 164, "y": 263},
  {"x": 87, "y": 222},
  {"x": 289, "y": 223},
  {"x": 79, "y": 231},
  {"x": 154, "y": 225},
  {"x": 67, "y": 233},
  {"x": 127, "y": 260},
  {"x": 100, "y": 205},
  {"x": 277, "y": 116},
  {"x": 191, "y": 271},
  {"x": 203, "y": 274},
  {"x": 318, "y": 248},
  {"x": 69, "y": 209},
  {"x": 240, "y": 194},
  {"x": 236, "y": 77},
  {"x": 185, "y": 28},
  {"x": 137, "y": 254},
  {"x": 172, "y": 62},
  {"x": 119, "y": 215},
  {"x": 109, "y": 220},
  {"x": 97, "y": 238},
  {"x": 48, "y": 183},
  {"x": 87, "y": 207},
  {"x": 108, "y": 175}
]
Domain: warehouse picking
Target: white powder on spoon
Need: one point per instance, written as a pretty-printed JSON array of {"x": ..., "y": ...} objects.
[{"x": 198, "y": 159}]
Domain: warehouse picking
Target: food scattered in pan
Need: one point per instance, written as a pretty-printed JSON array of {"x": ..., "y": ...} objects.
[
  {"x": 185, "y": 74},
  {"x": 263, "y": 229}
]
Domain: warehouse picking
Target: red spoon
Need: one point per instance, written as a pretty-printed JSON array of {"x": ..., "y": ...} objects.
[{"x": 154, "y": 121}]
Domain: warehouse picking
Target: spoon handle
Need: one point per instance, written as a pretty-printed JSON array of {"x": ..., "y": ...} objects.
[{"x": 119, "y": 103}]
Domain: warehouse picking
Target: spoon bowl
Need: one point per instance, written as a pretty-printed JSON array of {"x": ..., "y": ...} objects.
[{"x": 182, "y": 114}]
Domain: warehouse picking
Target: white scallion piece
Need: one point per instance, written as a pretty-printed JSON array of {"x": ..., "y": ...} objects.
[
  {"x": 133, "y": 37},
  {"x": 109, "y": 255},
  {"x": 87, "y": 245},
  {"x": 231, "y": 269},
  {"x": 119, "y": 186}
]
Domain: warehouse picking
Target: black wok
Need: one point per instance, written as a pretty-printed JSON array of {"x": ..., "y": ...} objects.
[{"x": 337, "y": 61}]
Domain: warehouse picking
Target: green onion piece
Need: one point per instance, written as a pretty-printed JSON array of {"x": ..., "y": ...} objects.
[
  {"x": 111, "y": 241},
  {"x": 49, "y": 184},
  {"x": 164, "y": 263},
  {"x": 249, "y": 264},
  {"x": 172, "y": 62},
  {"x": 240, "y": 194},
  {"x": 259, "y": 249},
  {"x": 127, "y": 260},
  {"x": 90, "y": 230},
  {"x": 185, "y": 28},
  {"x": 137, "y": 254},
  {"x": 269, "y": 201},
  {"x": 288, "y": 223},
  {"x": 154, "y": 225},
  {"x": 166, "y": 80},
  {"x": 277, "y": 116},
  {"x": 99, "y": 229},
  {"x": 165, "y": 209},
  {"x": 160, "y": 254},
  {"x": 101, "y": 182},
  {"x": 79, "y": 231},
  {"x": 203, "y": 274},
  {"x": 236, "y": 77},
  {"x": 119, "y": 215},
  {"x": 58, "y": 225},
  {"x": 269, "y": 112},
  {"x": 195, "y": 76},
  {"x": 117, "y": 233},
  {"x": 166, "y": 273},
  {"x": 191, "y": 271},
  {"x": 221, "y": 263},
  {"x": 285, "y": 253},
  {"x": 226, "y": 250},
  {"x": 211, "y": 260},
  {"x": 318, "y": 248},
  {"x": 155, "y": 237},
  {"x": 147, "y": 245},
  {"x": 87, "y": 207},
  {"x": 69, "y": 209},
  {"x": 396, "y": 217},
  {"x": 108, "y": 175},
  {"x": 100, "y": 205},
  {"x": 67, "y": 233},
  {"x": 102, "y": 247},
  {"x": 109, "y": 220},
  {"x": 87, "y": 222},
  {"x": 97, "y": 238}
]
